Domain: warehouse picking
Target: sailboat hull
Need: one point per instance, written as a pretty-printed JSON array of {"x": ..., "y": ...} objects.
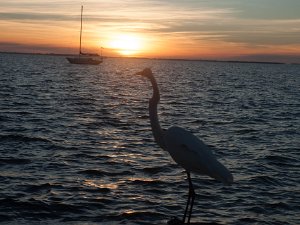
[{"x": 86, "y": 61}]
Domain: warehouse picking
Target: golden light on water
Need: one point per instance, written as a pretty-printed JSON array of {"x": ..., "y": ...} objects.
[
  {"x": 100, "y": 184},
  {"x": 126, "y": 44}
]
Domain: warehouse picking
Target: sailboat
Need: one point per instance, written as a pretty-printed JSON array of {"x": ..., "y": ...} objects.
[{"x": 85, "y": 58}]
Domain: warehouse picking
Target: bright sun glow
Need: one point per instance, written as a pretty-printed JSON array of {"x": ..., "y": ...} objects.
[{"x": 126, "y": 44}]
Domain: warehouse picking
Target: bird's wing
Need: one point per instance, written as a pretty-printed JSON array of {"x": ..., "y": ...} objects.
[
  {"x": 187, "y": 150},
  {"x": 193, "y": 155}
]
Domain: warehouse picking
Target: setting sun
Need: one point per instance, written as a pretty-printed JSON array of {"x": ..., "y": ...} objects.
[
  {"x": 155, "y": 29},
  {"x": 126, "y": 44}
]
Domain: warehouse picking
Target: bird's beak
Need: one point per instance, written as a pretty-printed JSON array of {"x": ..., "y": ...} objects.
[
  {"x": 146, "y": 72},
  {"x": 139, "y": 73}
]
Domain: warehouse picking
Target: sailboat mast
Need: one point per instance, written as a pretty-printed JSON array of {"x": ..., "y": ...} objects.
[{"x": 80, "y": 30}]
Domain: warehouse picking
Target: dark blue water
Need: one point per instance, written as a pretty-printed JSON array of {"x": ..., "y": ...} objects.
[{"x": 76, "y": 145}]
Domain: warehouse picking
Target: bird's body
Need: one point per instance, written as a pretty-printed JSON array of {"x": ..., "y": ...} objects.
[
  {"x": 185, "y": 148},
  {"x": 193, "y": 155}
]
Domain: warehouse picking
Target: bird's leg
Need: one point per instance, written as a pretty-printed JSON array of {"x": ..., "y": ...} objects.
[
  {"x": 187, "y": 204},
  {"x": 192, "y": 195}
]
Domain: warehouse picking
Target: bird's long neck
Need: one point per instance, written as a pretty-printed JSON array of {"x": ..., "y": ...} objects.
[{"x": 153, "y": 102}]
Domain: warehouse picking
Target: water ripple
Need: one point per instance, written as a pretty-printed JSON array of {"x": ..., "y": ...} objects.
[{"x": 76, "y": 145}]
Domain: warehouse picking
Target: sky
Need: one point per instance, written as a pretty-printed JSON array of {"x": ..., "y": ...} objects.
[{"x": 256, "y": 30}]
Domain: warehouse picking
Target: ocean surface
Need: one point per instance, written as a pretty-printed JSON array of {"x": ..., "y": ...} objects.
[{"x": 76, "y": 145}]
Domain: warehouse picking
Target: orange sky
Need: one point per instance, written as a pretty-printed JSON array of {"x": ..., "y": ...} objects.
[{"x": 267, "y": 30}]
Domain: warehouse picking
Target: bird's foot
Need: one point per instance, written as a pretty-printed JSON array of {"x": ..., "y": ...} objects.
[{"x": 175, "y": 221}]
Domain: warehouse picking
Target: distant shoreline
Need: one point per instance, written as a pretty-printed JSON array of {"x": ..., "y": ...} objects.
[{"x": 172, "y": 59}]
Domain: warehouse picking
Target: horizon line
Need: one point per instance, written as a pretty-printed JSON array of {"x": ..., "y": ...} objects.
[{"x": 156, "y": 58}]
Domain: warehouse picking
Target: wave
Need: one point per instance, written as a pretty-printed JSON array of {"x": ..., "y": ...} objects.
[
  {"x": 141, "y": 215},
  {"x": 279, "y": 159},
  {"x": 93, "y": 172},
  {"x": 266, "y": 180},
  {"x": 23, "y": 138},
  {"x": 13, "y": 161},
  {"x": 155, "y": 169},
  {"x": 143, "y": 181},
  {"x": 36, "y": 206},
  {"x": 42, "y": 187}
]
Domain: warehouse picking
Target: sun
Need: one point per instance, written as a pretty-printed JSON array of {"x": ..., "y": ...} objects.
[{"x": 126, "y": 44}]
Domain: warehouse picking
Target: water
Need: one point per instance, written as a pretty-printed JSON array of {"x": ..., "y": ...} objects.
[{"x": 76, "y": 145}]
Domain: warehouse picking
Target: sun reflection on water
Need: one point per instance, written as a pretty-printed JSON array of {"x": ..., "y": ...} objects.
[{"x": 97, "y": 184}]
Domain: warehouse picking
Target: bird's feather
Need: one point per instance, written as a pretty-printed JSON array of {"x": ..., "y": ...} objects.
[{"x": 194, "y": 155}]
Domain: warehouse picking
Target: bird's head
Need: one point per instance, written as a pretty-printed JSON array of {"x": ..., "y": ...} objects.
[{"x": 147, "y": 72}]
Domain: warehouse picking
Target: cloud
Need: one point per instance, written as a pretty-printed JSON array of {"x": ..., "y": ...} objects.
[
  {"x": 35, "y": 16},
  {"x": 259, "y": 24},
  {"x": 33, "y": 48}
]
